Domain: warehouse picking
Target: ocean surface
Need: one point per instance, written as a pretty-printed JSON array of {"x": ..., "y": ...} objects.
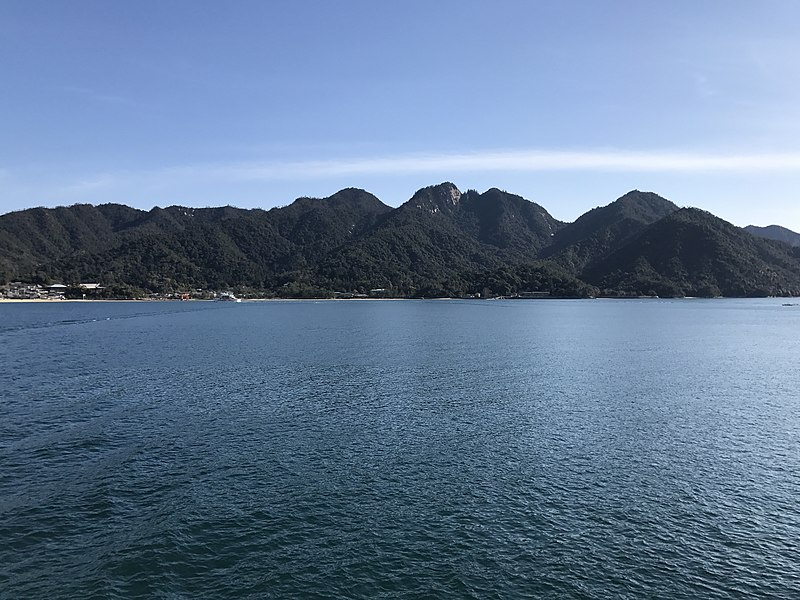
[{"x": 400, "y": 449}]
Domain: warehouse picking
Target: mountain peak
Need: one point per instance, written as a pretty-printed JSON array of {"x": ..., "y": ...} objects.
[
  {"x": 643, "y": 198},
  {"x": 345, "y": 199},
  {"x": 602, "y": 230},
  {"x": 437, "y": 198},
  {"x": 642, "y": 206},
  {"x": 355, "y": 196}
]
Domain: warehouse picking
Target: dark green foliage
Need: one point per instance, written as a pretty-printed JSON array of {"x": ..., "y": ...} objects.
[
  {"x": 439, "y": 243},
  {"x": 507, "y": 221},
  {"x": 425, "y": 246},
  {"x": 693, "y": 253},
  {"x": 539, "y": 276},
  {"x": 603, "y": 230}
]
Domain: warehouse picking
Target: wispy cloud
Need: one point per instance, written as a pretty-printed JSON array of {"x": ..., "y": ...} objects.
[
  {"x": 515, "y": 160},
  {"x": 169, "y": 180}
]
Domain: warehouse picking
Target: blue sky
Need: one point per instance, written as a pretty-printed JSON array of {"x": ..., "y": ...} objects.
[{"x": 568, "y": 103}]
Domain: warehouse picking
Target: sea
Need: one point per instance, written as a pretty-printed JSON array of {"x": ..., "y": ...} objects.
[{"x": 502, "y": 449}]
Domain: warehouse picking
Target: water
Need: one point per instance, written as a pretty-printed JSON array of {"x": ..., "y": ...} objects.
[{"x": 432, "y": 449}]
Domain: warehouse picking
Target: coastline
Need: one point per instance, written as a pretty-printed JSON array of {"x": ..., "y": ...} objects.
[
  {"x": 250, "y": 300},
  {"x": 69, "y": 300},
  {"x": 61, "y": 301}
]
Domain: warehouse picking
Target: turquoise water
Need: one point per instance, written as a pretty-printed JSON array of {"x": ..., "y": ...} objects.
[{"x": 431, "y": 449}]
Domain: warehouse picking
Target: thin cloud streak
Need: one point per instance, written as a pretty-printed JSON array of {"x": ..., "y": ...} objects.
[
  {"x": 168, "y": 180},
  {"x": 519, "y": 161}
]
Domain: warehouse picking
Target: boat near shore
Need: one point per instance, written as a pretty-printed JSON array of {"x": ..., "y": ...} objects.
[{"x": 227, "y": 297}]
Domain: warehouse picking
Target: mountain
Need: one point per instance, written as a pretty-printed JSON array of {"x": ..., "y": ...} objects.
[
  {"x": 496, "y": 218},
  {"x": 507, "y": 221},
  {"x": 342, "y": 216},
  {"x": 775, "y": 232},
  {"x": 39, "y": 235},
  {"x": 172, "y": 247},
  {"x": 179, "y": 246},
  {"x": 691, "y": 252},
  {"x": 601, "y": 231},
  {"x": 441, "y": 242},
  {"x": 420, "y": 245},
  {"x": 432, "y": 240}
]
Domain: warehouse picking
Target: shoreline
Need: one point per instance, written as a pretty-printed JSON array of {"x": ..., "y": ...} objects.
[
  {"x": 249, "y": 300},
  {"x": 60, "y": 301}
]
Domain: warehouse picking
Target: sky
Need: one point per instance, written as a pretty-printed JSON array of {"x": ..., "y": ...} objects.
[{"x": 255, "y": 103}]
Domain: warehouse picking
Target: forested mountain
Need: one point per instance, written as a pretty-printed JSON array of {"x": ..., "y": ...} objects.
[
  {"x": 775, "y": 232},
  {"x": 692, "y": 252},
  {"x": 441, "y": 242},
  {"x": 40, "y": 235},
  {"x": 603, "y": 230},
  {"x": 432, "y": 241}
]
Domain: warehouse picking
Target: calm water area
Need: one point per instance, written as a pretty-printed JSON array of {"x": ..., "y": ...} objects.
[{"x": 400, "y": 449}]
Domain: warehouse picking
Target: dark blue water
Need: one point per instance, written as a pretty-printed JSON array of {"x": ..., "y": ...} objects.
[{"x": 498, "y": 449}]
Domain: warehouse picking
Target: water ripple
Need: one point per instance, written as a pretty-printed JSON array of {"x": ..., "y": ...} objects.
[{"x": 401, "y": 450}]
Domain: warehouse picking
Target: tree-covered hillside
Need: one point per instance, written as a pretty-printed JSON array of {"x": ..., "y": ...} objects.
[
  {"x": 691, "y": 252},
  {"x": 441, "y": 242}
]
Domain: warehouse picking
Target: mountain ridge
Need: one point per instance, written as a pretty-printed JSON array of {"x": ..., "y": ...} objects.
[
  {"x": 775, "y": 232},
  {"x": 601, "y": 230},
  {"x": 440, "y": 242}
]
